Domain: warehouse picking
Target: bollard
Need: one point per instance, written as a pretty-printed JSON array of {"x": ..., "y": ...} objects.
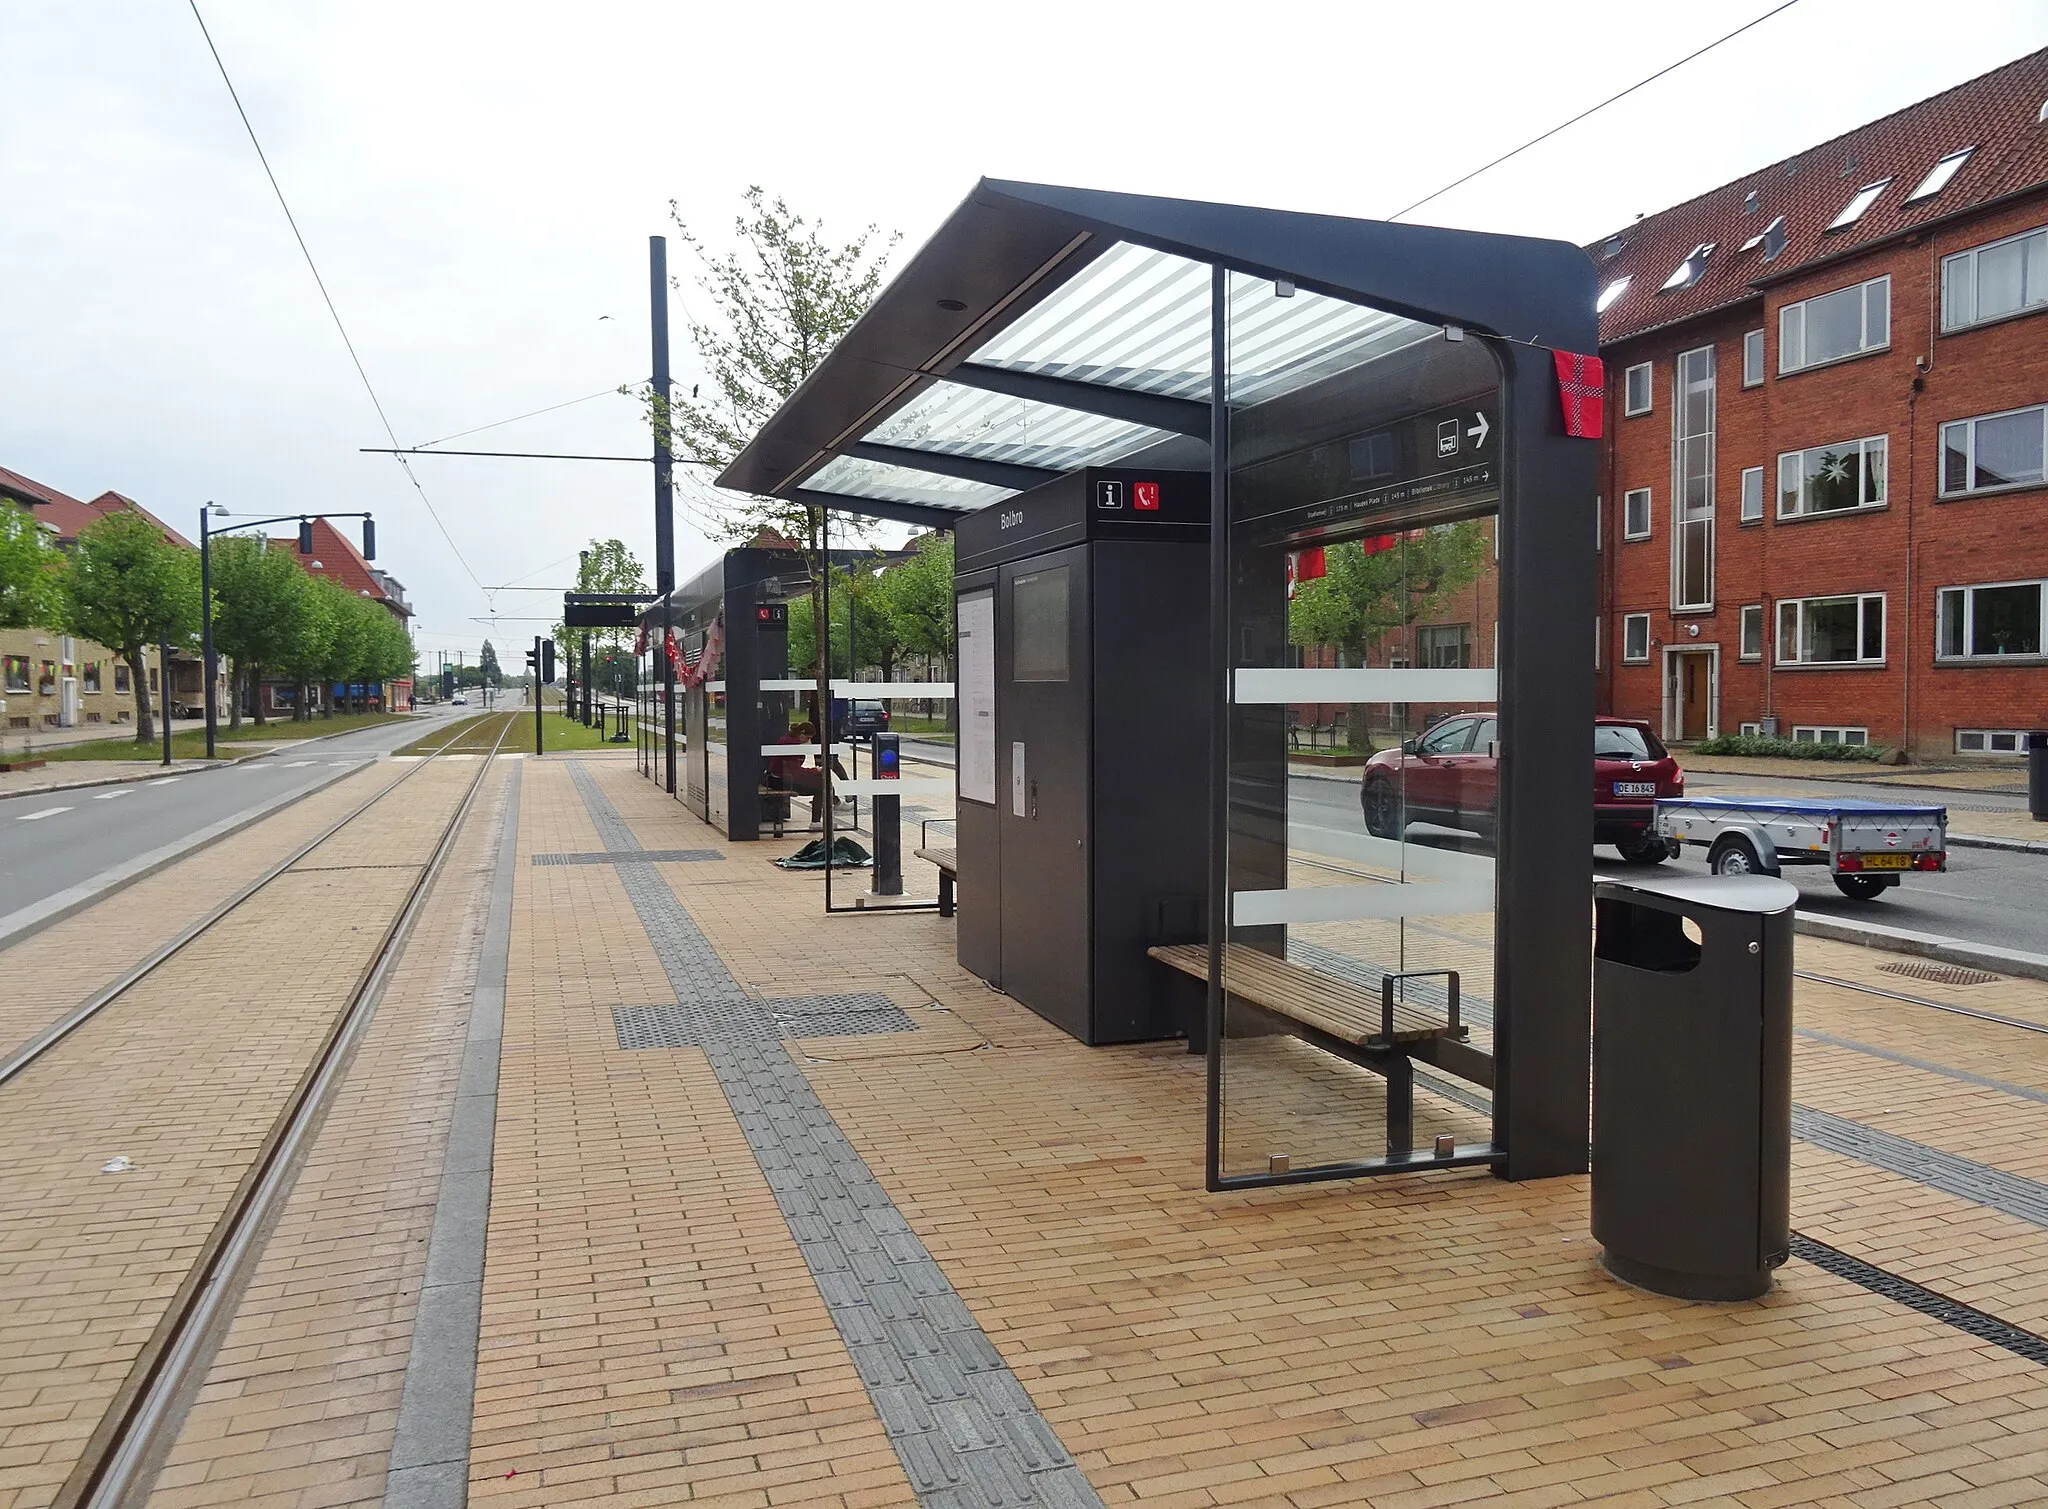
[
  {"x": 2037, "y": 775},
  {"x": 887, "y": 878}
]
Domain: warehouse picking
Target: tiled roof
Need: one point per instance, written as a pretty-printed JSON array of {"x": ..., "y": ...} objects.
[
  {"x": 67, "y": 516},
  {"x": 111, "y": 502},
  {"x": 336, "y": 558},
  {"x": 1998, "y": 114}
]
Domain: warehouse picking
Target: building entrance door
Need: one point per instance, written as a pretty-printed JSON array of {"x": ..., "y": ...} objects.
[{"x": 1691, "y": 696}]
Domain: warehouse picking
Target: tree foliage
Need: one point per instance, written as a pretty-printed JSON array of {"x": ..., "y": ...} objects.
[
  {"x": 31, "y": 572},
  {"x": 607, "y": 566},
  {"x": 261, "y": 597},
  {"x": 488, "y": 670},
  {"x": 128, "y": 587},
  {"x": 916, "y": 596},
  {"x": 1361, "y": 597}
]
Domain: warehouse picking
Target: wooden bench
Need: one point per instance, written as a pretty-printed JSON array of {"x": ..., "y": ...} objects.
[
  {"x": 948, "y": 862},
  {"x": 1378, "y": 1033}
]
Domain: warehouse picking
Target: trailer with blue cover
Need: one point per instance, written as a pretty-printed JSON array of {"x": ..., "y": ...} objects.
[{"x": 1868, "y": 846}]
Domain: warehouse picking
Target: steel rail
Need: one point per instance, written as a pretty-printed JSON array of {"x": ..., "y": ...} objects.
[
  {"x": 1912, "y": 1000},
  {"x": 97, "y": 1002},
  {"x": 118, "y": 1467}
]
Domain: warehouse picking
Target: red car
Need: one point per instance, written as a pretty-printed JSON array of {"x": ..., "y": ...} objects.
[{"x": 1449, "y": 775}]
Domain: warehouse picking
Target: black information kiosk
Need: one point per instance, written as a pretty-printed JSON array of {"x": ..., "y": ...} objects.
[{"x": 1083, "y": 607}]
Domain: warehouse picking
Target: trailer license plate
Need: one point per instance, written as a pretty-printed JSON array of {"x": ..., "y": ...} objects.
[
  {"x": 1887, "y": 861},
  {"x": 1635, "y": 788}
]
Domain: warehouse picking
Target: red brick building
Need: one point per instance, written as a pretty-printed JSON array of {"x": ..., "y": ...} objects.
[{"x": 1824, "y": 502}]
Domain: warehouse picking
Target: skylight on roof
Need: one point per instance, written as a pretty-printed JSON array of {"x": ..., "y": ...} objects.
[
  {"x": 1938, "y": 176},
  {"x": 1854, "y": 210},
  {"x": 1609, "y": 294},
  {"x": 1758, "y": 239},
  {"x": 1689, "y": 270}
]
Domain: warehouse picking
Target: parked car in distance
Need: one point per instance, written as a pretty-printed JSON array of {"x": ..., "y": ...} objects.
[
  {"x": 866, "y": 719},
  {"x": 458, "y": 700},
  {"x": 1450, "y": 775}
]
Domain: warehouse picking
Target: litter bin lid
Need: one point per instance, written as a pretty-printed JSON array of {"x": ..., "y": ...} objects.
[{"x": 1762, "y": 894}]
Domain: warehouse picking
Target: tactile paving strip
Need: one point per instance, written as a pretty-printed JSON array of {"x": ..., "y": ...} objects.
[
  {"x": 964, "y": 1429},
  {"x": 634, "y": 857}
]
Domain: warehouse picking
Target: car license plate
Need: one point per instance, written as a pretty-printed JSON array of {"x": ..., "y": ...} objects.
[
  {"x": 1887, "y": 861},
  {"x": 1635, "y": 788}
]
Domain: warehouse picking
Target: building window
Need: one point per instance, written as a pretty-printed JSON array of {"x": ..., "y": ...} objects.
[
  {"x": 1692, "y": 535},
  {"x": 46, "y": 679},
  {"x": 1831, "y": 630},
  {"x": 1444, "y": 645},
  {"x": 1835, "y": 326},
  {"x": 1596, "y": 641},
  {"x": 1635, "y": 514},
  {"x": 1809, "y": 734},
  {"x": 1832, "y": 478},
  {"x": 1750, "y": 730},
  {"x": 1990, "y": 282},
  {"x": 152, "y": 678},
  {"x": 1991, "y": 741},
  {"x": 1688, "y": 272},
  {"x": 121, "y": 677},
  {"x": 1635, "y": 389},
  {"x": 89, "y": 676},
  {"x": 1609, "y": 294},
  {"x": 1752, "y": 495},
  {"x": 1635, "y": 639},
  {"x": 1995, "y": 451},
  {"x": 1752, "y": 358},
  {"x": 1859, "y": 206},
  {"x": 17, "y": 673},
  {"x": 1984, "y": 623},
  {"x": 1753, "y": 631},
  {"x": 1938, "y": 176}
]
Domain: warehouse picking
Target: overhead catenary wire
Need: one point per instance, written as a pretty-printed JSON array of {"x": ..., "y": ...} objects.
[
  {"x": 326, "y": 298},
  {"x": 611, "y": 392},
  {"x": 1595, "y": 109}
]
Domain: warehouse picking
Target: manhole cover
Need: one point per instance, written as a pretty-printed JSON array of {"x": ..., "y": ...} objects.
[{"x": 1939, "y": 974}]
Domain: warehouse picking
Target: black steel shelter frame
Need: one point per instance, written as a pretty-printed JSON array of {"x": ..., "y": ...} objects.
[{"x": 1010, "y": 246}]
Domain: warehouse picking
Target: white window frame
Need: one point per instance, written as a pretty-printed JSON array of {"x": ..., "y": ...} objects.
[
  {"x": 1799, "y": 607},
  {"x": 1598, "y": 630},
  {"x": 1744, "y": 514},
  {"x": 1800, "y": 509},
  {"x": 1859, "y": 204},
  {"x": 1692, "y": 517},
  {"x": 1965, "y": 655},
  {"x": 1750, "y": 730},
  {"x": 1950, "y": 322},
  {"x": 1628, "y": 379},
  {"x": 1815, "y": 733},
  {"x": 1757, "y": 337},
  {"x": 1984, "y": 736},
  {"x": 1610, "y": 293},
  {"x": 1934, "y": 180},
  {"x": 1969, "y": 489},
  {"x": 1649, "y": 513},
  {"x": 1752, "y": 616},
  {"x": 1792, "y": 328},
  {"x": 1629, "y": 622}
]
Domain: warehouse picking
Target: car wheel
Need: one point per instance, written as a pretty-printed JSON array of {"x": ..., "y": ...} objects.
[
  {"x": 1645, "y": 849},
  {"x": 1382, "y": 804},
  {"x": 1861, "y": 887},
  {"x": 1733, "y": 855}
]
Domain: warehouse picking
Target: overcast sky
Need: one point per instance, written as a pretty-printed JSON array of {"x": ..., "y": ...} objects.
[{"x": 478, "y": 182}]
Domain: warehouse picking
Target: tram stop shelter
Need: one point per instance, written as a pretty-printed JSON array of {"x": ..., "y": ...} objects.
[{"x": 1391, "y": 433}]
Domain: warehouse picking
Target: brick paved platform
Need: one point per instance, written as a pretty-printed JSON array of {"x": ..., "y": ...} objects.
[{"x": 736, "y": 1203}]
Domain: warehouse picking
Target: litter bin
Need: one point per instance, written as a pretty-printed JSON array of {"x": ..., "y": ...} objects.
[
  {"x": 2037, "y": 775},
  {"x": 1692, "y": 1082}
]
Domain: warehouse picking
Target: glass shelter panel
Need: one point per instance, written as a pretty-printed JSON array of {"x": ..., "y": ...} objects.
[{"x": 1363, "y": 495}]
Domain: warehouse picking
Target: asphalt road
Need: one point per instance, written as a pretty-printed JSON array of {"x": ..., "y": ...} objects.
[
  {"x": 52, "y": 841},
  {"x": 1986, "y": 896}
]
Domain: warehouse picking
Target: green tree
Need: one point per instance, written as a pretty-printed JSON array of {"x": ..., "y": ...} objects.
[
  {"x": 607, "y": 566},
  {"x": 916, "y": 596},
  {"x": 128, "y": 587},
  {"x": 1361, "y": 597},
  {"x": 348, "y": 656},
  {"x": 487, "y": 665},
  {"x": 31, "y": 572},
  {"x": 300, "y": 651},
  {"x": 260, "y": 597},
  {"x": 783, "y": 297}
]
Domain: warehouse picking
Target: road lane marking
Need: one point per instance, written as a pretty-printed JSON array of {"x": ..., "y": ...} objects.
[
  {"x": 296, "y": 764},
  {"x": 108, "y": 796},
  {"x": 29, "y": 817},
  {"x": 165, "y": 781}
]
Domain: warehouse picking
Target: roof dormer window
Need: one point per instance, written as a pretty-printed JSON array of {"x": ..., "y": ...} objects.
[
  {"x": 1938, "y": 176},
  {"x": 1856, "y": 208},
  {"x": 1775, "y": 228},
  {"x": 1689, "y": 270}
]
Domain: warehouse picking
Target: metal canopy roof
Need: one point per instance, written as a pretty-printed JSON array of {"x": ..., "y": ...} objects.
[{"x": 1045, "y": 329}]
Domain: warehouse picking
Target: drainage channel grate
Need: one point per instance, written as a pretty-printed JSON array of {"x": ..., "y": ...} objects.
[
  {"x": 630, "y": 857},
  {"x": 1950, "y": 1312},
  {"x": 1940, "y": 974}
]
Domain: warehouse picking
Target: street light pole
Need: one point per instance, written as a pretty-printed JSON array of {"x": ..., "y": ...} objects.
[
  {"x": 206, "y": 623},
  {"x": 664, "y": 496}
]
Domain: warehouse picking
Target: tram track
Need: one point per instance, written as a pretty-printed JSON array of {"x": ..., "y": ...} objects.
[{"x": 118, "y": 1460}]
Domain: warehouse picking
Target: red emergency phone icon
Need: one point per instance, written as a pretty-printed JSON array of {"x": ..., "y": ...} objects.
[{"x": 1145, "y": 497}]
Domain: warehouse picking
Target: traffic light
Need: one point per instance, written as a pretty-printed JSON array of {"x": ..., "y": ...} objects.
[
  {"x": 305, "y": 537},
  {"x": 547, "y": 660},
  {"x": 369, "y": 539}
]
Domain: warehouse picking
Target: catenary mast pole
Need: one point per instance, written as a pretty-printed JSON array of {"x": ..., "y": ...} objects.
[{"x": 664, "y": 495}]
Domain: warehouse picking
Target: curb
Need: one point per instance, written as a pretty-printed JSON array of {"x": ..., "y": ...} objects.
[
  {"x": 1899, "y": 940},
  {"x": 2009, "y": 845},
  {"x": 31, "y": 919},
  {"x": 155, "y": 772}
]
